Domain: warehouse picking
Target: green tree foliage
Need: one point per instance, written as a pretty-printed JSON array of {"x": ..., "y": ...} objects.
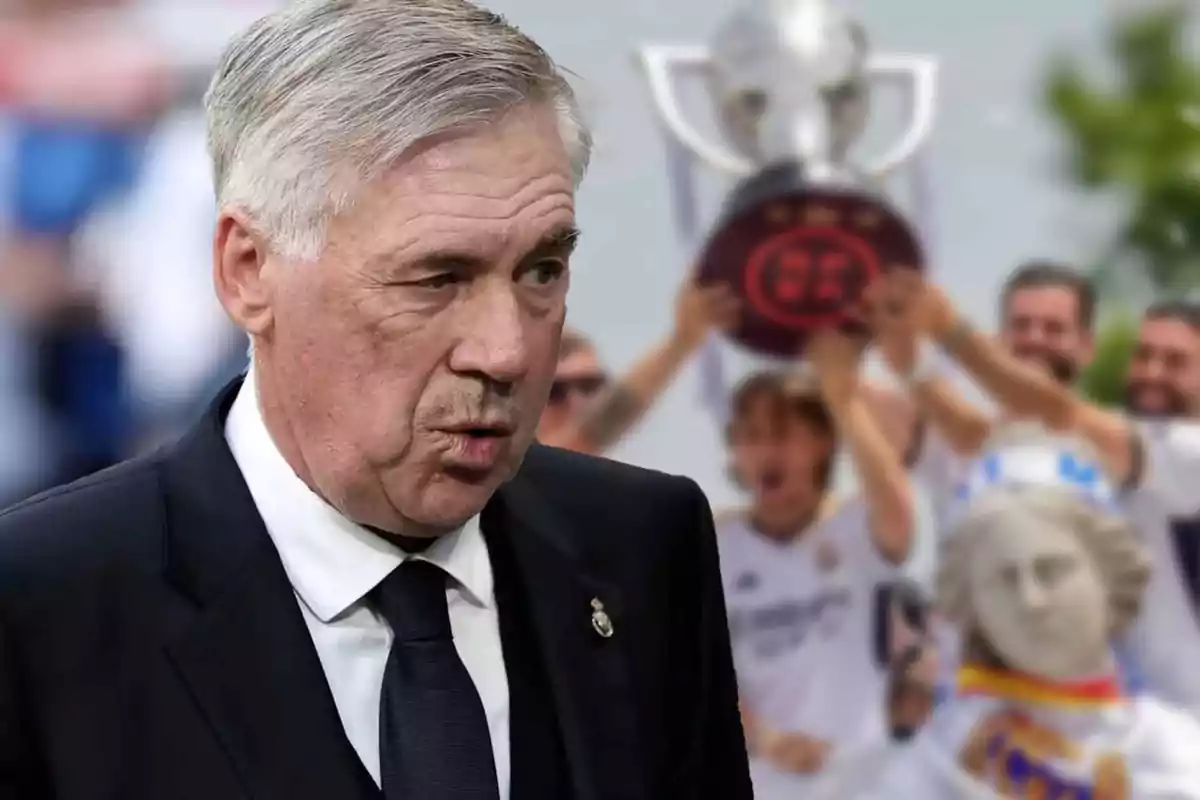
[
  {"x": 1104, "y": 380},
  {"x": 1135, "y": 131},
  {"x": 1139, "y": 134}
]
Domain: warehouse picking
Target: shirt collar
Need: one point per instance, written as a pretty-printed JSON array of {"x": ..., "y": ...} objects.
[{"x": 331, "y": 561}]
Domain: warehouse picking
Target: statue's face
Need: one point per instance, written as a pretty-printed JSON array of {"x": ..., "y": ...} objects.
[{"x": 1039, "y": 599}]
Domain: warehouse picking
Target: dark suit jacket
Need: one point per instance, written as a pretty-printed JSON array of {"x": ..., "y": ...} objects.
[{"x": 152, "y": 647}]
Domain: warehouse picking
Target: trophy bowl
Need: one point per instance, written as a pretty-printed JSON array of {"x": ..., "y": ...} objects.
[{"x": 799, "y": 255}]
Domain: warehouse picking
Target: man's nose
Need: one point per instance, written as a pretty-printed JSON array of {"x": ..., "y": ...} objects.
[
  {"x": 1160, "y": 371},
  {"x": 577, "y": 402},
  {"x": 492, "y": 337},
  {"x": 1035, "y": 335},
  {"x": 1147, "y": 370}
]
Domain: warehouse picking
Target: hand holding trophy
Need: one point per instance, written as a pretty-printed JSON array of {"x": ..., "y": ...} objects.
[{"x": 806, "y": 230}]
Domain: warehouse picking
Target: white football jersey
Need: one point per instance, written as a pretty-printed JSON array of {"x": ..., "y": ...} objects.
[
  {"x": 1165, "y": 508},
  {"x": 982, "y": 748},
  {"x": 808, "y": 622},
  {"x": 938, "y": 470}
]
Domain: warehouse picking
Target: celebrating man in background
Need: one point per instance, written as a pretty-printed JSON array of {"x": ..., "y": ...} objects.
[
  {"x": 1046, "y": 319},
  {"x": 806, "y": 576}
]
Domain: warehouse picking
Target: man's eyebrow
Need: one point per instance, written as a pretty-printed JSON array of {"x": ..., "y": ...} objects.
[
  {"x": 394, "y": 263},
  {"x": 565, "y": 238},
  {"x": 559, "y": 240}
]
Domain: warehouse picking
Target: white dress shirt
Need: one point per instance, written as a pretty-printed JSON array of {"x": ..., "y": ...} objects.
[{"x": 333, "y": 563}]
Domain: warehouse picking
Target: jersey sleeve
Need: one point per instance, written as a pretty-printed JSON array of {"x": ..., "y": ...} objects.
[
  {"x": 1170, "y": 463},
  {"x": 849, "y": 531}
]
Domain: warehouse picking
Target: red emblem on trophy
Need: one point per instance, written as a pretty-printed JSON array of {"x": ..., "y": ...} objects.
[{"x": 800, "y": 256}]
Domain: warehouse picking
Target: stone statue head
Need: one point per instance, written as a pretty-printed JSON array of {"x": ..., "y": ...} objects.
[{"x": 1039, "y": 573}]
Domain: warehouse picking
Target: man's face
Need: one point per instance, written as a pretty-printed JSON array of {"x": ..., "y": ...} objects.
[
  {"x": 577, "y": 380},
  {"x": 1164, "y": 373},
  {"x": 776, "y": 456},
  {"x": 413, "y": 360},
  {"x": 1040, "y": 601},
  {"x": 1042, "y": 325}
]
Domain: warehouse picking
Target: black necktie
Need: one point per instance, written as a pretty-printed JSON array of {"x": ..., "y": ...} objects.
[{"x": 433, "y": 733}]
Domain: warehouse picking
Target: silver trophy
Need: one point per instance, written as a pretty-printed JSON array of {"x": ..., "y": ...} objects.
[{"x": 807, "y": 224}]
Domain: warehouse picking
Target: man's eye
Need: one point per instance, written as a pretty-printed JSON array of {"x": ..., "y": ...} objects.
[
  {"x": 544, "y": 273},
  {"x": 440, "y": 281}
]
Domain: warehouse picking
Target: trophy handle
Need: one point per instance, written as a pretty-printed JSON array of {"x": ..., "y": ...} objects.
[
  {"x": 661, "y": 63},
  {"x": 919, "y": 75}
]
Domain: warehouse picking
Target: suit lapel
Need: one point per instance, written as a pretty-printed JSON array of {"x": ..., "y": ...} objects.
[
  {"x": 588, "y": 674},
  {"x": 248, "y": 659}
]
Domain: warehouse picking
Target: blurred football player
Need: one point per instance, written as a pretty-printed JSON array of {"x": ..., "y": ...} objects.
[{"x": 807, "y": 577}]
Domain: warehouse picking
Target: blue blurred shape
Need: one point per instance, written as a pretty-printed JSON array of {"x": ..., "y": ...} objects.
[{"x": 66, "y": 170}]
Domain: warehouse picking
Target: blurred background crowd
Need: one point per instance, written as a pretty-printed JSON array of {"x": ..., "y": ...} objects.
[
  {"x": 108, "y": 328},
  {"x": 1067, "y": 132}
]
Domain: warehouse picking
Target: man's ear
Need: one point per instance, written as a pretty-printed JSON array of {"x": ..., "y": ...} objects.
[{"x": 239, "y": 255}]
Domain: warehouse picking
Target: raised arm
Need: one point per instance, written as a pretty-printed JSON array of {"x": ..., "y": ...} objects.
[
  {"x": 622, "y": 405},
  {"x": 881, "y": 474},
  {"x": 898, "y": 417},
  {"x": 1023, "y": 390},
  {"x": 964, "y": 425},
  {"x": 913, "y": 360}
]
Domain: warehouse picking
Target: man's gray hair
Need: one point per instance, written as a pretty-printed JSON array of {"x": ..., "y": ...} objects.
[
  {"x": 1108, "y": 537},
  {"x": 320, "y": 98}
]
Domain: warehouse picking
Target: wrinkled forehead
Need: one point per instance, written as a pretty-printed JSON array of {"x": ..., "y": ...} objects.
[
  {"x": 1043, "y": 302},
  {"x": 468, "y": 194},
  {"x": 1167, "y": 334}
]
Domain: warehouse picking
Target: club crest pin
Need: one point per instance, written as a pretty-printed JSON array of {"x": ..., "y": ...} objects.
[
  {"x": 827, "y": 556},
  {"x": 601, "y": 622}
]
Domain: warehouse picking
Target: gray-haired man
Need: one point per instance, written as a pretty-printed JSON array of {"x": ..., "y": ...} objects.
[{"x": 356, "y": 578}]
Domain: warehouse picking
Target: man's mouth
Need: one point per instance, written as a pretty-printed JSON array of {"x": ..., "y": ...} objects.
[
  {"x": 495, "y": 429},
  {"x": 771, "y": 480},
  {"x": 477, "y": 446},
  {"x": 1058, "y": 365},
  {"x": 1155, "y": 400}
]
